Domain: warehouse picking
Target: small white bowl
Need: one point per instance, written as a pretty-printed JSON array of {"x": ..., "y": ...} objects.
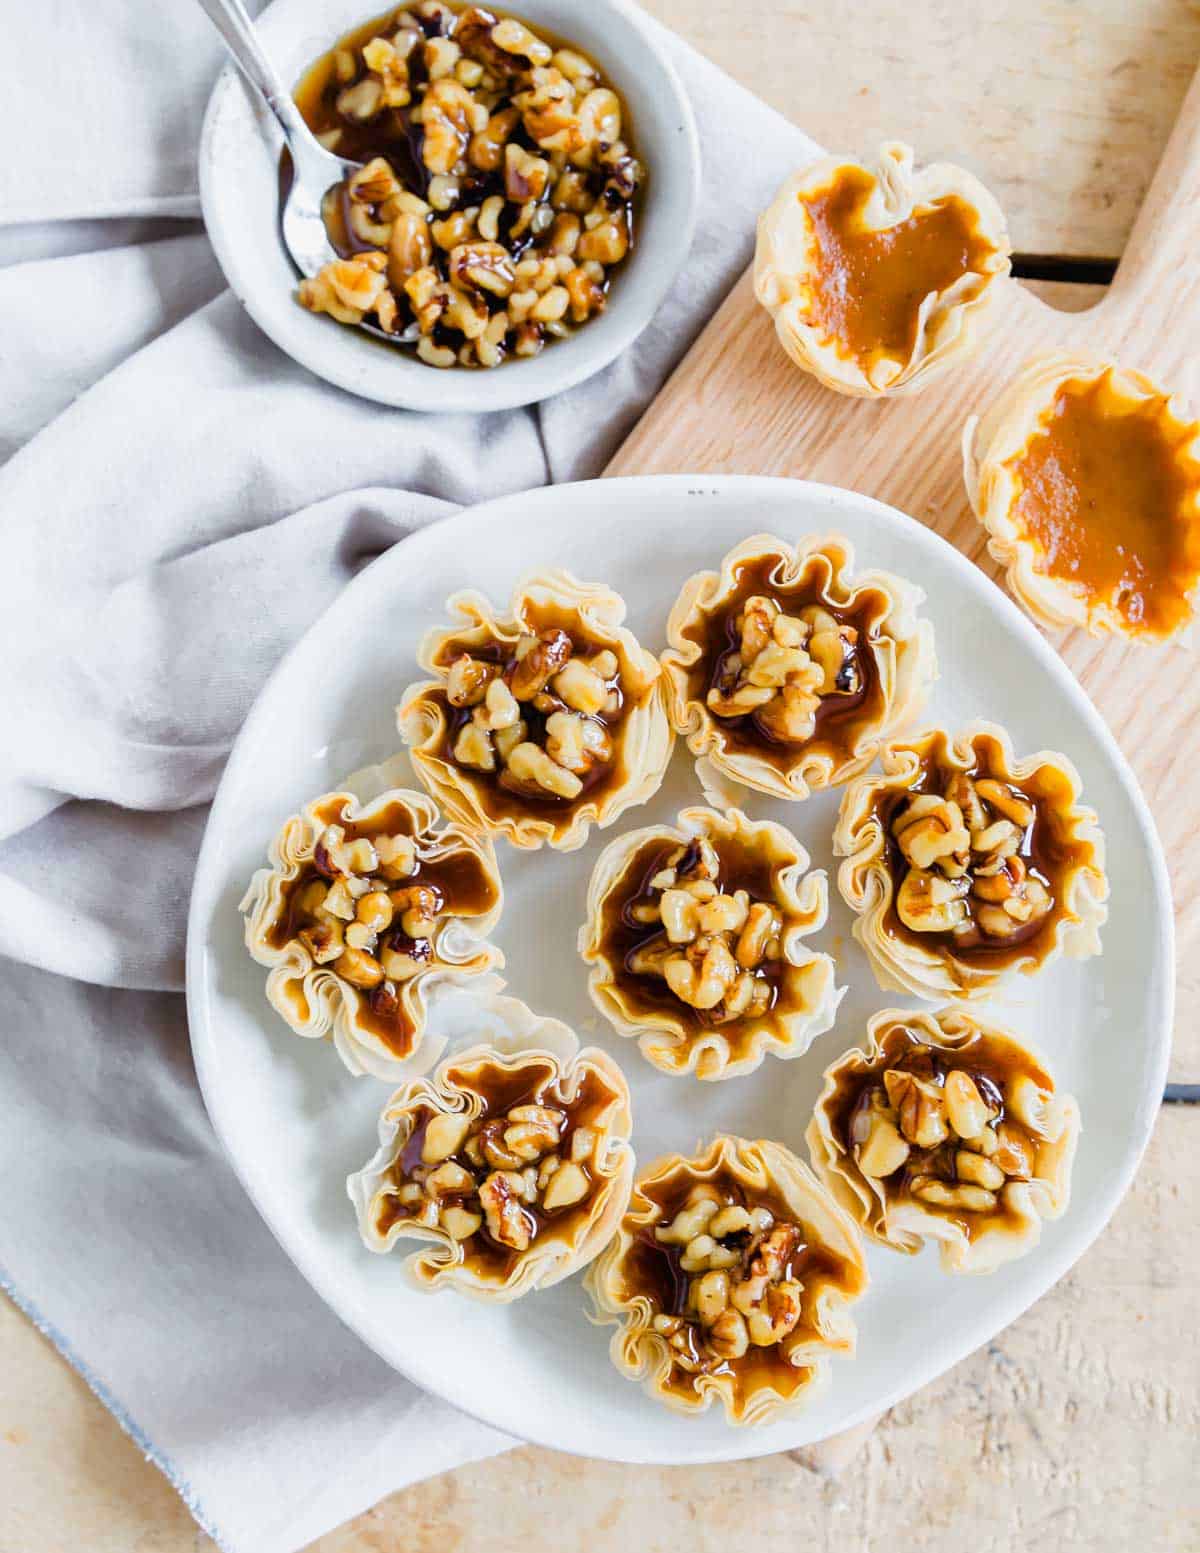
[{"x": 239, "y": 192}]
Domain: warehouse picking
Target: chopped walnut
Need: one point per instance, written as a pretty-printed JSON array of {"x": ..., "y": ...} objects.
[
  {"x": 499, "y": 1175},
  {"x": 522, "y": 162},
  {"x": 783, "y": 667},
  {"x": 741, "y": 1292},
  {"x": 538, "y": 719},
  {"x": 356, "y": 914},
  {"x": 715, "y": 949},
  {"x": 951, "y": 1139},
  {"x": 966, "y": 871}
]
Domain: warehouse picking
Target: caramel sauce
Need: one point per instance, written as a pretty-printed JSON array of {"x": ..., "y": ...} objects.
[
  {"x": 460, "y": 875},
  {"x": 1111, "y": 505},
  {"x": 840, "y": 718},
  {"x": 622, "y": 935},
  {"x": 651, "y": 1269},
  {"x": 992, "y": 1062},
  {"x": 500, "y": 1089},
  {"x": 869, "y": 285},
  {"x": 391, "y": 134},
  {"x": 1048, "y": 850},
  {"x": 499, "y": 802}
]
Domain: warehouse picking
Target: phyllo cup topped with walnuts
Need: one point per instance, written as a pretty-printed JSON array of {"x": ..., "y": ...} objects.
[
  {"x": 512, "y": 1161},
  {"x": 730, "y": 1278},
  {"x": 965, "y": 864},
  {"x": 945, "y": 1128},
  {"x": 364, "y": 911},
  {"x": 784, "y": 670},
  {"x": 695, "y": 935},
  {"x": 541, "y": 721}
]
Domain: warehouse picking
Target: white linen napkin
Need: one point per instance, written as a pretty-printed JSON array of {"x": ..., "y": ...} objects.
[{"x": 180, "y": 501}]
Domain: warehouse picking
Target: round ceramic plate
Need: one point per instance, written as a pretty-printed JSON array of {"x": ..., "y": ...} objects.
[{"x": 296, "y": 1123}]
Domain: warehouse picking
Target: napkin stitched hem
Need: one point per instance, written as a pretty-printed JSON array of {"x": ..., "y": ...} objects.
[{"x": 103, "y": 1395}]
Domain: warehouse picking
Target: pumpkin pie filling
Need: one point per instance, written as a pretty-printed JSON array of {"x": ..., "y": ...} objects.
[
  {"x": 868, "y": 284},
  {"x": 1109, "y": 499},
  {"x": 369, "y": 904}
]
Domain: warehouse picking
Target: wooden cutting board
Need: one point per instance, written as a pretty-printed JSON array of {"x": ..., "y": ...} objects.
[{"x": 737, "y": 405}]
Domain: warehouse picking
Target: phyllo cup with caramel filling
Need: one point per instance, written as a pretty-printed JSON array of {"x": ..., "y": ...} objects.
[
  {"x": 363, "y": 913},
  {"x": 730, "y": 1277},
  {"x": 695, "y": 936},
  {"x": 512, "y": 1161},
  {"x": 784, "y": 671},
  {"x": 943, "y": 1128},
  {"x": 1086, "y": 477},
  {"x": 542, "y": 721},
  {"x": 965, "y": 864},
  {"x": 880, "y": 277}
]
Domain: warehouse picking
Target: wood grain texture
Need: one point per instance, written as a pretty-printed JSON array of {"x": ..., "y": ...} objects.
[
  {"x": 1061, "y": 106},
  {"x": 736, "y": 404},
  {"x": 1074, "y": 1430}
]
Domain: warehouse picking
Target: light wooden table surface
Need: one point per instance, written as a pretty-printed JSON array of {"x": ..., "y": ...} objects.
[{"x": 1078, "y": 1425}]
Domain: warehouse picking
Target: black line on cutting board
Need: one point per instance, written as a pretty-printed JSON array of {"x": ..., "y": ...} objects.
[
  {"x": 1181, "y": 1094},
  {"x": 1059, "y": 266}
]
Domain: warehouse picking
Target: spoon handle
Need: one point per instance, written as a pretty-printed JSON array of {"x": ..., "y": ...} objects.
[{"x": 231, "y": 21}]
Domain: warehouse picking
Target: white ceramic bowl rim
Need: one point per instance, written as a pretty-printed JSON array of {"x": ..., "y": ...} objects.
[{"x": 238, "y": 173}]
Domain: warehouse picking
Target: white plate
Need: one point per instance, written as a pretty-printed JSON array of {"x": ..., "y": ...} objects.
[
  {"x": 239, "y": 194},
  {"x": 295, "y": 1123}
]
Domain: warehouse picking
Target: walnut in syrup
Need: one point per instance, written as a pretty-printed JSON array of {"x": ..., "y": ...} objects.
[
  {"x": 785, "y": 671},
  {"x": 512, "y": 1161},
  {"x": 363, "y": 913},
  {"x": 498, "y": 192},
  {"x": 946, "y": 1128},
  {"x": 964, "y": 864},
  {"x": 540, "y": 721},
  {"x": 695, "y": 936},
  {"x": 730, "y": 1279}
]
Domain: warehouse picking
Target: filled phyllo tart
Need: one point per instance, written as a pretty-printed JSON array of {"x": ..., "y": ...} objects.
[
  {"x": 1086, "y": 477},
  {"x": 878, "y": 276},
  {"x": 964, "y": 863},
  {"x": 514, "y": 1165},
  {"x": 363, "y": 913},
  {"x": 946, "y": 1129},
  {"x": 540, "y": 722},
  {"x": 730, "y": 1277},
  {"x": 695, "y": 936},
  {"x": 784, "y": 671}
]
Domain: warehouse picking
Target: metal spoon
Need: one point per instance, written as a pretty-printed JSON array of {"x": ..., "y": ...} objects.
[{"x": 315, "y": 170}]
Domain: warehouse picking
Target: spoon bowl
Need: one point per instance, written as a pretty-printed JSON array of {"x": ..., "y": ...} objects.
[{"x": 314, "y": 169}]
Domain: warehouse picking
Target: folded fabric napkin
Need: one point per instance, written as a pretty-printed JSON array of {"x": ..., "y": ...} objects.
[{"x": 179, "y": 502}]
